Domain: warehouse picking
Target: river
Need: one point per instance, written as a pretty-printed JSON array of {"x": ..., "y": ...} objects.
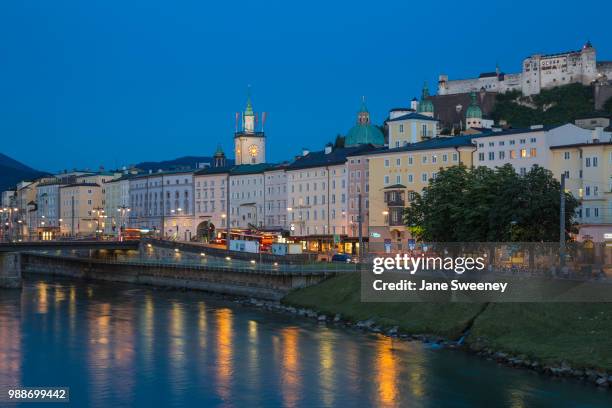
[{"x": 128, "y": 346}]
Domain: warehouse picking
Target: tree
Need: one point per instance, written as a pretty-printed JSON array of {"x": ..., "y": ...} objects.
[{"x": 485, "y": 205}]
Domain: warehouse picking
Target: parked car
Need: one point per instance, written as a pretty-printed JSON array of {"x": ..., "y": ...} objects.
[{"x": 341, "y": 258}]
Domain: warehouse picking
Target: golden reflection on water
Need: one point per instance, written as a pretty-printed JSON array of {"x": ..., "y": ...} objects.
[
  {"x": 224, "y": 352},
  {"x": 72, "y": 310},
  {"x": 326, "y": 361},
  {"x": 290, "y": 370},
  {"x": 202, "y": 324},
  {"x": 10, "y": 342},
  {"x": 43, "y": 305},
  {"x": 386, "y": 373},
  {"x": 100, "y": 351},
  {"x": 253, "y": 350}
]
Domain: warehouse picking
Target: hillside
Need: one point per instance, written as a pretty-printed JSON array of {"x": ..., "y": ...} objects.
[
  {"x": 187, "y": 162},
  {"x": 12, "y": 172},
  {"x": 551, "y": 107}
]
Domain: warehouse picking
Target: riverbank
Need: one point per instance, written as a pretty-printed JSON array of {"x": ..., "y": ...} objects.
[{"x": 561, "y": 339}]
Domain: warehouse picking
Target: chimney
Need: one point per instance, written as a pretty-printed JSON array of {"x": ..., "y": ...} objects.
[
  {"x": 597, "y": 134},
  {"x": 328, "y": 148},
  {"x": 305, "y": 151}
]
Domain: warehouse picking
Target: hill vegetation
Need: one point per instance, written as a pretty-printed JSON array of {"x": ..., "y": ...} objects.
[
  {"x": 12, "y": 172},
  {"x": 555, "y": 106}
]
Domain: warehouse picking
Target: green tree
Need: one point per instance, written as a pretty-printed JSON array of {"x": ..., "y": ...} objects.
[{"x": 485, "y": 205}]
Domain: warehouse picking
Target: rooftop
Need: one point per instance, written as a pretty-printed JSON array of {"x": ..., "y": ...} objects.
[
  {"x": 413, "y": 116},
  {"x": 335, "y": 157}
]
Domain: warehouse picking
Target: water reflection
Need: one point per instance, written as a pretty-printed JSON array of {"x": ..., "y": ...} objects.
[
  {"x": 290, "y": 369},
  {"x": 386, "y": 373},
  {"x": 10, "y": 346},
  {"x": 119, "y": 346},
  {"x": 326, "y": 361},
  {"x": 224, "y": 352}
]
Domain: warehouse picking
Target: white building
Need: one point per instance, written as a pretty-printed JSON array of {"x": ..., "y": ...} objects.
[
  {"x": 538, "y": 72},
  {"x": 524, "y": 148},
  {"x": 163, "y": 202},
  {"x": 210, "y": 200},
  {"x": 275, "y": 198},
  {"x": 247, "y": 209}
]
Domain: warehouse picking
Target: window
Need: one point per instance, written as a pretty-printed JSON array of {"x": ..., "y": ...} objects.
[
  {"x": 424, "y": 159},
  {"x": 587, "y": 212},
  {"x": 594, "y": 161},
  {"x": 533, "y": 152},
  {"x": 398, "y": 179},
  {"x": 595, "y": 212},
  {"x": 410, "y": 160},
  {"x": 523, "y": 153},
  {"x": 491, "y": 155},
  {"x": 455, "y": 157},
  {"x": 480, "y": 145},
  {"x": 445, "y": 158},
  {"x": 501, "y": 143},
  {"x": 513, "y": 154},
  {"x": 502, "y": 155},
  {"x": 533, "y": 140},
  {"x": 401, "y": 128},
  {"x": 512, "y": 142},
  {"x": 434, "y": 159},
  {"x": 587, "y": 190},
  {"x": 424, "y": 177},
  {"x": 566, "y": 155},
  {"x": 491, "y": 144},
  {"x": 386, "y": 180},
  {"x": 410, "y": 178},
  {"x": 588, "y": 162},
  {"x": 398, "y": 162},
  {"x": 523, "y": 171},
  {"x": 481, "y": 156},
  {"x": 386, "y": 162}
]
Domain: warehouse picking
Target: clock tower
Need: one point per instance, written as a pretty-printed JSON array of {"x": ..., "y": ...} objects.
[{"x": 249, "y": 144}]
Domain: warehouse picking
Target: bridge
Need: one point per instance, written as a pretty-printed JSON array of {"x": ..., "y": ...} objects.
[{"x": 66, "y": 245}]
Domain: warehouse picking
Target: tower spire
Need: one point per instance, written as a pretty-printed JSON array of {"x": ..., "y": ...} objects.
[{"x": 249, "y": 107}]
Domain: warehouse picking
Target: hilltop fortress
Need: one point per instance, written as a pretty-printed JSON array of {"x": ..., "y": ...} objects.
[{"x": 539, "y": 72}]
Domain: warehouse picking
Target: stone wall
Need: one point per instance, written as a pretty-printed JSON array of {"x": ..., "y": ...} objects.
[
  {"x": 240, "y": 282},
  {"x": 10, "y": 270},
  {"x": 602, "y": 94}
]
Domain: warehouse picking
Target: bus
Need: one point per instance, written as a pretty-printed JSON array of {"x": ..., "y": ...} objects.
[
  {"x": 135, "y": 234},
  {"x": 265, "y": 239}
]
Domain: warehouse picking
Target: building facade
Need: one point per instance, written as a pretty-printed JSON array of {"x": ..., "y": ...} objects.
[
  {"x": 81, "y": 209},
  {"x": 162, "y": 202},
  {"x": 588, "y": 176},
  {"x": 394, "y": 174},
  {"x": 210, "y": 201}
]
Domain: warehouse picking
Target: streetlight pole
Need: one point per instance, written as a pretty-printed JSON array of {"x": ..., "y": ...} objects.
[{"x": 562, "y": 223}]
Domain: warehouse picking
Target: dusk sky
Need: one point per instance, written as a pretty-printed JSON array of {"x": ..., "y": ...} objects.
[{"x": 89, "y": 83}]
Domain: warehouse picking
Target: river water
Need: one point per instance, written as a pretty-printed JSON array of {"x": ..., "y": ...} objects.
[{"x": 128, "y": 346}]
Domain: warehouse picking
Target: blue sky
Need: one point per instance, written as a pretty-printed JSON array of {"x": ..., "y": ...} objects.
[{"x": 85, "y": 83}]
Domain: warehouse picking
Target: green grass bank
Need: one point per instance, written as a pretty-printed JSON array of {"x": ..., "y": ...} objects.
[{"x": 579, "y": 333}]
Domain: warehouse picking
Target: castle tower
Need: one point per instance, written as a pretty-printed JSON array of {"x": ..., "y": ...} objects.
[
  {"x": 219, "y": 158},
  {"x": 250, "y": 144}
]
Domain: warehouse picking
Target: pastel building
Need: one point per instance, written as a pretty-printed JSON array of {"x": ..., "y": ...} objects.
[
  {"x": 117, "y": 204},
  {"x": 394, "y": 174},
  {"x": 588, "y": 176},
  {"x": 80, "y": 208},
  {"x": 247, "y": 201}
]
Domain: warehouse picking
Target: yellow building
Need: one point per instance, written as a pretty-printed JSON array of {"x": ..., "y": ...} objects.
[
  {"x": 410, "y": 128},
  {"x": 81, "y": 209},
  {"x": 395, "y": 173},
  {"x": 588, "y": 176}
]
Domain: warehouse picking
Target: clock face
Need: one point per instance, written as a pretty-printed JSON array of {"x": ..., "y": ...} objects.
[{"x": 253, "y": 149}]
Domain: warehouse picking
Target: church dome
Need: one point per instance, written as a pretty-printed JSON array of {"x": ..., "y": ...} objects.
[
  {"x": 364, "y": 132},
  {"x": 473, "y": 111},
  {"x": 426, "y": 105}
]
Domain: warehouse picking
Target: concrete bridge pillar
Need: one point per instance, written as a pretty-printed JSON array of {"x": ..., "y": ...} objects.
[{"x": 10, "y": 270}]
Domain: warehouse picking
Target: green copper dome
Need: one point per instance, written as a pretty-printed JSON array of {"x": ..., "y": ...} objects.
[
  {"x": 473, "y": 111},
  {"x": 425, "y": 105},
  {"x": 364, "y": 132}
]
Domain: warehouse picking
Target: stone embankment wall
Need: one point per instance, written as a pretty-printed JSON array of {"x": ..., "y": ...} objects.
[
  {"x": 10, "y": 270},
  {"x": 263, "y": 284}
]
